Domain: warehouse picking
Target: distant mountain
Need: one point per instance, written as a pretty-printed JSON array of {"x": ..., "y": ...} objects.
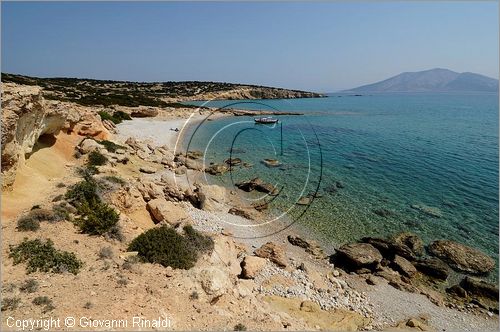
[{"x": 433, "y": 80}]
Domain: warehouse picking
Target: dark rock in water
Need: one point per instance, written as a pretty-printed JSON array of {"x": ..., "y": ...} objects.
[
  {"x": 316, "y": 194},
  {"x": 449, "y": 204},
  {"x": 339, "y": 184},
  {"x": 261, "y": 206},
  {"x": 310, "y": 246},
  {"x": 331, "y": 189},
  {"x": 477, "y": 287},
  {"x": 247, "y": 165},
  {"x": 355, "y": 256},
  {"x": 233, "y": 161},
  {"x": 457, "y": 290},
  {"x": 236, "y": 150},
  {"x": 383, "y": 212},
  {"x": 461, "y": 257},
  {"x": 403, "y": 266},
  {"x": 259, "y": 185},
  {"x": 217, "y": 169},
  {"x": 350, "y": 166},
  {"x": 412, "y": 241},
  {"x": 433, "y": 267},
  {"x": 271, "y": 162}
]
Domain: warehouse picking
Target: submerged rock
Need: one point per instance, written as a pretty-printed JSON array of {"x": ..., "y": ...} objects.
[
  {"x": 461, "y": 257},
  {"x": 429, "y": 210},
  {"x": 217, "y": 169},
  {"x": 271, "y": 162},
  {"x": 304, "y": 200},
  {"x": 383, "y": 212},
  {"x": 310, "y": 246}
]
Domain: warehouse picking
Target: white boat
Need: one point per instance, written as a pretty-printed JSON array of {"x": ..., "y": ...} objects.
[{"x": 266, "y": 120}]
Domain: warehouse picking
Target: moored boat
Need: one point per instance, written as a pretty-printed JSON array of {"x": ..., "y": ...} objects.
[{"x": 266, "y": 120}]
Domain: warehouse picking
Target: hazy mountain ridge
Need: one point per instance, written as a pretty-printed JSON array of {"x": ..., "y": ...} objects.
[{"x": 433, "y": 80}]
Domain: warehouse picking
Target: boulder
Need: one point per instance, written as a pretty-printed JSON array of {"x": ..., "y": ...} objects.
[
  {"x": 233, "y": 161},
  {"x": 481, "y": 288},
  {"x": 144, "y": 112},
  {"x": 389, "y": 248},
  {"x": 461, "y": 257},
  {"x": 88, "y": 145},
  {"x": 355, "y": 256},
  {"x": 246, "y": 213},
  {"x": 147, "y": 169},
  {"x": 310, "y": 246},
  {"x": 166, "y": 211},
  {"x": 225, "y": 255},
  {"x": 403, "y": 266},
  {"x": 214, "y": 281},
  {"x": 273, "y": 252},
  {"x": 433, "y": 267},
  {"x": 149, "y": 190},
  {"x": 271, "y": 162},
  {"x": 193, "y": 164},
  {"x": 412, "y": 241},
  {"x": 251, "y": 266},
  {"x": 457, "y": 290},
  {"x": 211, "y": 197}
]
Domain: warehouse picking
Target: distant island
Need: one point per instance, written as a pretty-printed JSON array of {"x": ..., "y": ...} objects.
[{"x": 433, "y": 80}]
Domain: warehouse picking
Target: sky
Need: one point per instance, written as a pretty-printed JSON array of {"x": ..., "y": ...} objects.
[{"x": 322, "y": 46}]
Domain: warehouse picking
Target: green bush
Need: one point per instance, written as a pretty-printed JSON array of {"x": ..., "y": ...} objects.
[
  {"x": 42, "y": 256},
  {"x": 117, "y": 117},
  {"x": 200, "y": 242},
  {"x": 96, "y": 159},
  {"x": 163, "y": 245},
  {"x": 42, "y": 300},
  {"x": 96, "y": 218},
  {"x": 84, "y": 191},
  {"x": 111, "y": 146}
]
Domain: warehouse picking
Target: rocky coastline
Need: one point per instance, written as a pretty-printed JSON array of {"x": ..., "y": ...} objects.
[{"x": 281, "y": 282}]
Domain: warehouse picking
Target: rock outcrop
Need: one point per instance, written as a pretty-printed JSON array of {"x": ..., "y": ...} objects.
[{"x": 26, "y": 116}]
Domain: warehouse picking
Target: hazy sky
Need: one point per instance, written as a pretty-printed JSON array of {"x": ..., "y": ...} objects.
[{"x": 313, "y": 46}]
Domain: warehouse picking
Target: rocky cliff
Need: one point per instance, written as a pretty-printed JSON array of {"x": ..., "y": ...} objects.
[{"x": 26, "y": 116}]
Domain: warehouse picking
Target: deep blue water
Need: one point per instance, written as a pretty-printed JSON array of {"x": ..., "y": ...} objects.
[{"x": 390, "y": 152}]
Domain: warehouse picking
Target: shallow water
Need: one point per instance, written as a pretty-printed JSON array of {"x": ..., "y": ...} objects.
[{"x": 435, "y": 152}]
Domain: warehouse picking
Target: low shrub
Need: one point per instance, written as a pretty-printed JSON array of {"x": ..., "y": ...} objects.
[
  {"x": 31, "y": 221},
  {"x": 115, "y": 179},
  {"x": 10, "y": 303},
  {"x": 42, "y": 256},
  {"x": 42, "y": 300},
  {"x": 88, "y": 305},
  {"x": 27, "y": 223},
  {"x": 121, "y": 115},
  {"x": 240, "y": 327},
  {"x": 83, "y": 191},
  {"x": 29, "y": 286},
  {"x": 201, "y": 243},
  {"x": 163, "y": 245},
  {"x": 194, "y": 295},
  {"x": 105, "y": 253},
  {"x": 96, "y": 159}
]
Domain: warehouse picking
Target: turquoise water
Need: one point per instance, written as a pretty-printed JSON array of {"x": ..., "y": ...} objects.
[{"x": 389, "y": 152}]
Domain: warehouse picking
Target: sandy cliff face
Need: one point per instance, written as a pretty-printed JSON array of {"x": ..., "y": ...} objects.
[{"x": 26, "y": 116}]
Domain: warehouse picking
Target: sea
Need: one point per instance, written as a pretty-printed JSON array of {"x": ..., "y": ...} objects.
[{"x": 367, "y": 165}]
